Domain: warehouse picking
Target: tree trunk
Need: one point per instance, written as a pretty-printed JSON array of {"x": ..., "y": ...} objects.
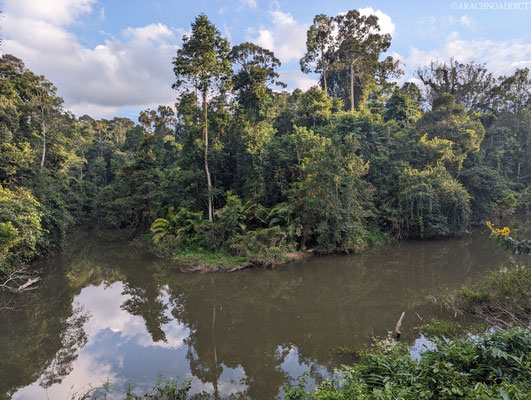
[
  {"x": 196, "y": 98},
  {"x": 43, "y": 125},
  {"x": 352, "y": 87},
  {"x": 207, "y": 171},
  {"x": 324, "y": 73}
]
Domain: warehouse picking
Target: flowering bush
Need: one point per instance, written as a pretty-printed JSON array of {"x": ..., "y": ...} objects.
[{"x": 503, "y": 239}]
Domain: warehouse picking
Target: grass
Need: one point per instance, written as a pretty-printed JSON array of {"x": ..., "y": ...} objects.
[
  {"x": 193, "y": 259},
  {"x": 441, "y": 328},
  {"x": 165, "y": 389}
]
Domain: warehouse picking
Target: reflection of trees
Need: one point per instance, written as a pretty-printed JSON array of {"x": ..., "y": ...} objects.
[
  {"x": 314, "y": 306},
  {"x": 146, "y": 302},
  {"x": 222, "y": 319},
  {"x": 73, "y": 337},
  {"x": 41, "y": 338},
  {"x": 32, "y": 338},
  {"x": 102, "y": 257},
  {"x": 250, "y": 318}
]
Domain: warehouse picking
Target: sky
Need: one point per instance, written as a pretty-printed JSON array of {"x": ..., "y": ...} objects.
[{"x": 113, "y": 57}]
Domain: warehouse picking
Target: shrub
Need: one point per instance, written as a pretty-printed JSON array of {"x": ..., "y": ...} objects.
[
  {"x": 501, "y": 238},
  {"x": 492, "y": 365},
  {"x": 184, "y": 225},
  {"x": 502, "y": 298},
  {"x": 260, "y": 242}
]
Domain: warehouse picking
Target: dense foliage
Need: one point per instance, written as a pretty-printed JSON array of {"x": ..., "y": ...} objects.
[
  {"x": 240, "y": 170},
  {"x": 494, "y": 365}
]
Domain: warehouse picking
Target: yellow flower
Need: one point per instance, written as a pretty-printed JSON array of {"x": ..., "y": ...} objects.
[
  {"x": 502, "y": 232},
  {"x": 489, "y": 225}
]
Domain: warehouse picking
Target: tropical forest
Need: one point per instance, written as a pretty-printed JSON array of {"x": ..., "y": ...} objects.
[{"x": 366, "y": 237}]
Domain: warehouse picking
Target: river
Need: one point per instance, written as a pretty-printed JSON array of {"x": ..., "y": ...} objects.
[{"x": 109, "y": 311}]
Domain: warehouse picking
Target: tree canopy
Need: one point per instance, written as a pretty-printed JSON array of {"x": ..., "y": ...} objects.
[{"x": 242, "y": 168}]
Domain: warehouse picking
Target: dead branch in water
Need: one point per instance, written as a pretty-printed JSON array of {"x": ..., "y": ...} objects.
[
  {"x": 19, "y": 281},
  {"x": 399, "y": 325}
]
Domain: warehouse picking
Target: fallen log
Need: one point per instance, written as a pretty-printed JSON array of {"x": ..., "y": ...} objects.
[{"x": 27, "y": 285}]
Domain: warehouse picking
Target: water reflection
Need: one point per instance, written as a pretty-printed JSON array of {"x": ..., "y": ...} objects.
[{"x": 108, "y": 311}]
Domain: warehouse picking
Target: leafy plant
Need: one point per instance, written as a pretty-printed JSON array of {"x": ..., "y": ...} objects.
[{"x": 181, "y": 224}]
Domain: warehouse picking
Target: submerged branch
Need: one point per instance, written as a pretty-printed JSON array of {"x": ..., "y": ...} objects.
[{"x": 14, "y": 282}]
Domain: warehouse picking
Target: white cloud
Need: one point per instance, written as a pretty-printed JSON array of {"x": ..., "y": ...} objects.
[
  {"x": 384, "y": 20},
  {"x": 447, "y": 39},
  {"x": 87, "y": 372},
  {"x": 153, "y": 32},
  {"x": 101, "y": 14},
  {"x": 295, "y": 79},
  {"x": 467, "y": 21},
  {"x": 249, "y": 3},
  {"x": 434, "y": 28},
  {"x": 416, "y": 81},
  {"x": 286, "y": 38},
  {"x": 452, "y": 36},
  {"x": 500, "y": 57},
  {"x": 57, "y": 12},
  {"x": 397, "y": 56},
  {"x": 134, "y": 71}
]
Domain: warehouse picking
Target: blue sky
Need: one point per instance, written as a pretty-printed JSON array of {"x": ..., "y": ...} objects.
[{"x": 110, "y": 57}]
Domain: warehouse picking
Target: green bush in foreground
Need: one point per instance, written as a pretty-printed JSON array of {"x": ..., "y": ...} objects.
[{"x": 494, "y": 365}]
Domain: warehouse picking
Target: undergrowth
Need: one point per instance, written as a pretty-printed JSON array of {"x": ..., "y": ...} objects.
[{"x": 493, "y": 365}]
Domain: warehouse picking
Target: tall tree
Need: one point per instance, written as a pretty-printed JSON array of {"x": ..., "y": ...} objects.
[
  {"x": 359, "y": 45},
  {"x": 468, "y": 83},
  {"x": 511, "y": 94},
  {"x": 203, "y": 62},
  {"x": 47, "y": 106},
  {"x": 253, "y": 80},
  {"x": 319, "y": 41}
]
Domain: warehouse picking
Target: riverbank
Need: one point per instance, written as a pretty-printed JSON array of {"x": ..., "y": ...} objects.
[
  {"x": 248, "y": 253},
  {"x": 204, "y": 251},
  {"x": 204, "y": 262},
  {"x": 199, "y": 260}
]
